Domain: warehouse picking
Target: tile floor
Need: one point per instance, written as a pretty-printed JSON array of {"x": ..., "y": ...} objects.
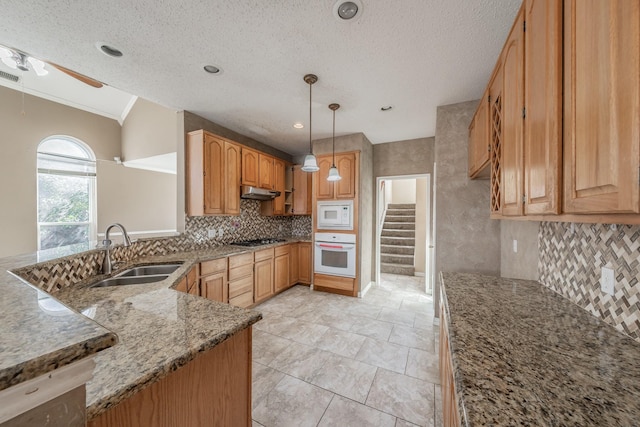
[{"x": 327, "y": 360}]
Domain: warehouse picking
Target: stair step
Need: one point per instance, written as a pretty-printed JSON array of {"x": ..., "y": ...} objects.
[
  {"x": 397, "y": 259},
  {"x": 397, "y": 249},
  {"x": 400, "y": 218},
  {"x": 401, "y": 206},
  {"x": 401, "y": 212},
  {"x": 405, "y": 270},
  {"x": 398, "y": 233},
  {"x": 399, "y": 225},
  {"x": 400, "y": 241}
]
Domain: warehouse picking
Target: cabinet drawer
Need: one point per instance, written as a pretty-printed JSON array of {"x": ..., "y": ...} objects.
[
  {"x": 243, "y": 300},
  {"x": 334, "y": 282},
  {"x": 240, "y": 286},
  {"x": 213, "y": 266},
  {"x": 282, "y": 250},
  {"x": 263, "y": 254},
  {"x": 240, "y": 272},
  {"x": 242, "y": 259}
]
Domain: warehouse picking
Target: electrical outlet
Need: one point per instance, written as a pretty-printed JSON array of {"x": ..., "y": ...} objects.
[
  {"x": 220, "y": 232},
  {"x": 607, "y": 280},
  {"x": 211, "y": 233},
  {"x": 515, "y": 246}
]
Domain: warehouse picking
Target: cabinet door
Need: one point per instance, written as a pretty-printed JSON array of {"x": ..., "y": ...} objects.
[
  {"x": 281, "y": 275},
  {"x": 214, "y": 287},
  {"x": 213, "y": 175},
  {"x": 293, "y": 264},
  {"x": 250, "y": 167},
  {"x": 279, "y": 176},
  {"x": 479, "y": 140},
  {"x": 324, "y": 188},
  {"x": 266, "y": 172},
  {"x": 233, "y": 160},
  {"x": 495, "y": 138},
  {"x": 601, "y": 106},
  {"x": 263, "y": 276},
  {"x": 543, "y": 106},
  {"x": 301, "y": 191},
  {"x": 182, "y": 286},
  {"x": 304, "y": 263},
  {"x": 512, "y": 106},
  {"x": 346, "y": 187}
]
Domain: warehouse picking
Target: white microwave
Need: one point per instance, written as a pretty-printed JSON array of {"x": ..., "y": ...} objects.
[{"x": 335, "y": 215}]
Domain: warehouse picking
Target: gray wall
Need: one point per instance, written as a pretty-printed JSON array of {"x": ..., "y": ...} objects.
[
  {"x": 410, "y": 157},
  {"x": 524, "y": 263},
  {"x": 149, "y": 130},
  {"x": 466, "y": 239}
]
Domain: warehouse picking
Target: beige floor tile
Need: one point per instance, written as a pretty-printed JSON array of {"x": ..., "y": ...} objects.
[
  {"x": 371, "y": 328},
  {"x": 364, "y": 310},
  {"x": 292, "y": 403},
  {"x": 254, "y": 423},
  {"x": 425, "y": 321},
  {"x": 264, "y": 379},
  {"x": 412, "y": 337},
  {"x": 405, "y": 397},
  {"x": 416, "y": 305},
  {"x": 397, "y": 316},
  {"x": 384, "y": 355},
  {"x": 303, "y": 332},
  {"x": 266, "y": 347},
  {"x": 340, "y": 342},
  {"x": 344, "y": 412},
  {"x": 300, "y": 361},
  {"x": 404, "y": 423},
  {"x": 423, "y": 365},
  {"x": 438, "y": 406},
  {"x": 274, "y": 323},
  {"x": 346, "y": 377}
]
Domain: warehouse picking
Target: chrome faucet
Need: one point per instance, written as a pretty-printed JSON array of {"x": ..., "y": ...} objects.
[{"x": 107, "y": 265}]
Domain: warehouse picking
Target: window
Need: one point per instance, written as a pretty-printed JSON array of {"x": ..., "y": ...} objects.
[{"x": 66, "y": 192}]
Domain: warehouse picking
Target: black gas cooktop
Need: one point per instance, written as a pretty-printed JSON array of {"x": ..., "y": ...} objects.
[{"x": 259, "y": 242}]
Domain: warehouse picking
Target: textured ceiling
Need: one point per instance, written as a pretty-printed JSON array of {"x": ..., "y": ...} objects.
[{"x": 411, "y": 54}]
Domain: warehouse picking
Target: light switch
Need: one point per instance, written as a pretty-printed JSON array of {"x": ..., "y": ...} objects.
[
  {"x": 607, "y": 280},
  {"x": 211, "y": 233},
  {"x": 515, "y": 246},
  {"x": 220, "y": 232}
]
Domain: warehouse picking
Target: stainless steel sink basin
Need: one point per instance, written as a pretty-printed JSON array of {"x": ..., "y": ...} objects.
[
  {"x": 149, "y": 270},
  {"x": 129, "y": 280}
]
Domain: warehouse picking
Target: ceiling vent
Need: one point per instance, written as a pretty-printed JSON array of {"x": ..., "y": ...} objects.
[{"x": 9, "y": 76}]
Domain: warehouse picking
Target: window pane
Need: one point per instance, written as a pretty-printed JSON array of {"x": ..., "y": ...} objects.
[
  {"x": 64, "y": 147},
  {"x": 46, "y": 161},
  {"x": 52, "y": 236},
  {"x": 63, "y": 198}
]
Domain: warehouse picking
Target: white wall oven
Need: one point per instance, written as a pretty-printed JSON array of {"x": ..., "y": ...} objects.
[
  {"x": 335, "y": 215},
  {"x": 335, "y": 254}
]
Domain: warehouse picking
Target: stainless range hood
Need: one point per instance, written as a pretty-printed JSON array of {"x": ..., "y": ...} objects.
[{"x": 255, "y": 193}]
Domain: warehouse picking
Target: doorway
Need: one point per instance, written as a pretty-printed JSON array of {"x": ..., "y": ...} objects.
[{"x": 404, "y": 228}]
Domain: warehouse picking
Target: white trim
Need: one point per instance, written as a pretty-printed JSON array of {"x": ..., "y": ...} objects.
[
  {"x": 29, "y": 394},
  {"x": 418, "y": 274},
  {"x": 127, "y": 109},
  {"x": 142, "y": 233},
  {"x": 436, "y": 321},
  {"x": 362, "y": 293}
]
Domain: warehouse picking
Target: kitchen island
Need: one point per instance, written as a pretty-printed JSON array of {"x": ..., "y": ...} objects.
[{"x": 523, "y": 355}]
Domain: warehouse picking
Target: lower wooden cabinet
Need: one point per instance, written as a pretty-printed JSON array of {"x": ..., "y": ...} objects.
[
  {"x": 213, "y": 280},
  {"x": 281, "y": 268},
  {"x": 293, "y": 264},
  {"x": 213, "y": 389},
  {"x": 304, "y": 262},
  {"x": 263, "y": 270},
  {"x": 450, "y": 414},
  {"x": 241, "y": 280},
  {"x": 335, "y": 284},
  {"x": 189, "y": 284}
]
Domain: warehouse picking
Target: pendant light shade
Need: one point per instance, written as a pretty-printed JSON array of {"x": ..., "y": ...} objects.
[
  {"x": 310, "y": 162},
  {"x": 334, "y": 175}
]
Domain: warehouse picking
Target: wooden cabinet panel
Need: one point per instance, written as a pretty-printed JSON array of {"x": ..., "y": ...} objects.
[
  {"x": 265, "y": 169},
  {"x": 240, "y": 259},
  {"x": 192, "y": 281},
  {"x": 301, "y": 191},
  {"x": 495, "y": 138},
  {"x": 346, "y": 187},
  {"x": 241, "y": 286},
  {"x": 279, "y": 178},
  {"x": 213, "y": 266},
  {"x": 244, "y": 300},
  {"x": 601, "y": 106},
  {"x": 324, "y": 188},
  {"x": 450, "y": 414},
  {"x": 281, "y": 272},
  {"x": 543, "y": 106},
  {"x": 263, "y": 254},
  {"x": 215, "y": 287},
  {"x": 304, "y": 262},
  {"x": 240, "y": 272},
  {"x": 263, "y": 280},
  {"x": 182, "y": 286},
  {"x": 233, "y": 161},
  {"x": 512, "y": 107},
  {"x": 479, "y": 140},
  {"x": 250, "y": 167},
  {"x": 340, "y": 285},
  {"x": 293, "y": 263}
]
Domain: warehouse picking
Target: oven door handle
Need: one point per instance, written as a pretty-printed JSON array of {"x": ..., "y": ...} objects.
[{"x": 333, "y": 246}]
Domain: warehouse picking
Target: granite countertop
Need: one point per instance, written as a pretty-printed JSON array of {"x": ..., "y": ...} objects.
[
  {"x": 524, "y": 355},
  {"x": 157, "y": 329}
]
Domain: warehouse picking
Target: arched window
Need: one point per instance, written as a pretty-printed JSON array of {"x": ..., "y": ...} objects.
[{"x": 66, "y": 192}]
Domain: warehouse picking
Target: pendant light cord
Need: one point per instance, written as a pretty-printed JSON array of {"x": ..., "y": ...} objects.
[
  {"x": 310, "y": 145},
  {"x": 334, "y": 139}
]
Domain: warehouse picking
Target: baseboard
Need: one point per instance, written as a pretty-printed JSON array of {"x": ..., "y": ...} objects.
[
  {"x": 362, "y": 293},
  {"x": 418, "y": 274}
]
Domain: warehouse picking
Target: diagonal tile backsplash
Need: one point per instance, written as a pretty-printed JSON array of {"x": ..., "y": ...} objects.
[{"x": 571, "y": 257}]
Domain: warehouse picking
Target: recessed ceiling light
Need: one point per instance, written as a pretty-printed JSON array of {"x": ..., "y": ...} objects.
[
  {"x": 212, "y": 69},
  {"x": 109, "y": 50},
  {"x": 298, "y": 125},
  {"x": 386, "y": 108},
  {"x": 349, "y": 10}
]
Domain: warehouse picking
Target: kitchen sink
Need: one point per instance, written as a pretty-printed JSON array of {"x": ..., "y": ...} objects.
[
  {"x": 129, "y": 280},
  {"x": 150, "y": 270}
]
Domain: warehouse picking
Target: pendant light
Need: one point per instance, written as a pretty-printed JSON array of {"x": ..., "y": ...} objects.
[
  {"x": 310, "y": 162},
  {"x": 334, "y": 175}
]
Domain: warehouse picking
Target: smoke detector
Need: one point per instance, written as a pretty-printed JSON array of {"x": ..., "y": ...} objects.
[{"x": 347, "y": 10}]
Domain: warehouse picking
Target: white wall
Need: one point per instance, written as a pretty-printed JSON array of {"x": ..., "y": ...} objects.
[
  {"x": 149, "y": 130},
  {"x": 404, "y": 191}
]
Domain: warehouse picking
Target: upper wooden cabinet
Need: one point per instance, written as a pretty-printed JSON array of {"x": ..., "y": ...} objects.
[
  {"x": 250, "y": 167},
  {"x": 212, "y": 175},
  {"x": 543, "y": 107},
  {"x": 266, "y": 172},
  {"x": 347, "y": 164},
  {"x": 601, "y": 106},
  {"x": 479, "y": 147},
  {"x": 301, "y": 191},
  {"x": 495, "y": 138}
]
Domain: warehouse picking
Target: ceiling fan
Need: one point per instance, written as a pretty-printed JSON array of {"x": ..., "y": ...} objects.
[{"x": 18, "y": 60}]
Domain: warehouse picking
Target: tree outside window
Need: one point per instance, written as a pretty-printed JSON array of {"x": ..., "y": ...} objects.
[{"x": 66, "y": 192}]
